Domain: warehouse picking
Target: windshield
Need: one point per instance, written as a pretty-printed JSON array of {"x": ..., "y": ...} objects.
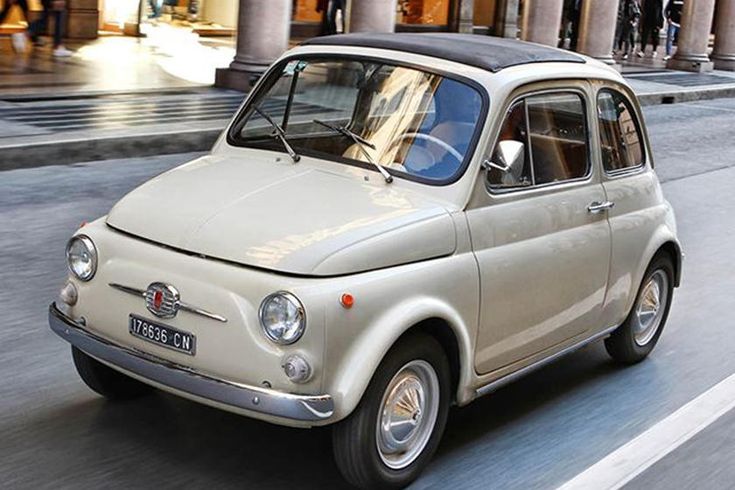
[{"x": 414, "y": 124}]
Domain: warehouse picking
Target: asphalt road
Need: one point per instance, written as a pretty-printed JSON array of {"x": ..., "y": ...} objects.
[{"x": 536, "y": 433}]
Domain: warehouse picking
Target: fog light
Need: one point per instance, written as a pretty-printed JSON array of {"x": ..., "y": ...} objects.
[
  {"x": 68, "y": 294},
  {"x": 297, "y": 369}
]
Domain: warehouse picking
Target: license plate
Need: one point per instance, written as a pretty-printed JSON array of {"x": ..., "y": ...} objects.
[{"x": 164, "y": 335}]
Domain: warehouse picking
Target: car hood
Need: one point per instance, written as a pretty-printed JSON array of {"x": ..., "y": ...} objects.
[{"x": 286, "y": 217}]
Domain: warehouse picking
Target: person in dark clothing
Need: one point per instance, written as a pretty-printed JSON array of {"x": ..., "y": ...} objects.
[
  {"x": 672, "y": 12},
  {"x": 629, "y": 17},
  {"x": 574, "y": 17},
  {"x": 329, "y": 10},
  {"x": 57, "y": 10},
  {"x": 651, "y": 24}
]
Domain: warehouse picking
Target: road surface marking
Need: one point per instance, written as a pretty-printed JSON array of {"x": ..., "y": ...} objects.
[{"x": 630, "y": 460}]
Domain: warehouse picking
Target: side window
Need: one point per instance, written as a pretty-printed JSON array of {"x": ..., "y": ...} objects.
[
  {"x": 558, "y": 135},
  {"x": 543, "y": 140},
  {"x": 620, "y": 137}
]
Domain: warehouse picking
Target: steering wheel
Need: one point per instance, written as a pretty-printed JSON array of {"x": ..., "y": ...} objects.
[{"x": 428, "y": 138}]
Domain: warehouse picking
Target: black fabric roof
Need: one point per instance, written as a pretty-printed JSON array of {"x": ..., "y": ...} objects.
[{"x": 489, "y": 53}]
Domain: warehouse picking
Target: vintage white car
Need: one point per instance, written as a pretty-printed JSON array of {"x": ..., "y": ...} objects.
[{"x": 390, "y": 225}]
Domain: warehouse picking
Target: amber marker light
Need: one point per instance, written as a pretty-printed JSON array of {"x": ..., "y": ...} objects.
[{"x": 347, "y": 300}]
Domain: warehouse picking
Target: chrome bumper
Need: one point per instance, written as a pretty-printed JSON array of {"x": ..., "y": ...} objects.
[{"x": 304, "y": 408}]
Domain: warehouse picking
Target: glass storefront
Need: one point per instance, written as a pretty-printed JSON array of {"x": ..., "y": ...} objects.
[
  {"x": 424, "y": 12},
  {"x": 413, "y": 14}
]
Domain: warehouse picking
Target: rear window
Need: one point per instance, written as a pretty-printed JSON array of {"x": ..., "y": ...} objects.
[{"x": 620, "y": 136}]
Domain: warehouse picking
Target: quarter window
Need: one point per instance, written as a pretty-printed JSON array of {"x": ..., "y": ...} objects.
[
  {"x": 620, "y": 137},
  {"x": 546, "y": 136}
]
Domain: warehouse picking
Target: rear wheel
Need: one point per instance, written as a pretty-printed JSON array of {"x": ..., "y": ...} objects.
[
  {"x": 396, "y": 428},
  {"x": 637, "y": 336},
  {"x": 106, "y": 381}
]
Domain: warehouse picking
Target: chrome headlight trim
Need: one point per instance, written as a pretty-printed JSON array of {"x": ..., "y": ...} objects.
[
  {"x": 301, "y": 311},
  {"x": 91, "y": 250}
]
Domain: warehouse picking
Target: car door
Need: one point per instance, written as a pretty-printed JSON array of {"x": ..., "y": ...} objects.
[
  {"x": 631, "y": 184},
  {"x": 539, "y": 231}
]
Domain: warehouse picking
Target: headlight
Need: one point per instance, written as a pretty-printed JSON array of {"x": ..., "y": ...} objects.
[
  {"x": 282, "y": 317},
  {"x": 81, "y": 257}
]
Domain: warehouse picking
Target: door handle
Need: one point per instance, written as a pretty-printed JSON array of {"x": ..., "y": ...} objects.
[{"x": 598, "y": 207}]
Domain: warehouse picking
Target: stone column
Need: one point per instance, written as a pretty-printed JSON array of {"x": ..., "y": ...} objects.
[
  {"x": 724, "y": 53},
  {"x": 372, "y": 16},
  {"x": 541, "y": 20},
  {"x": 597, "y": 29},
  {"x": 506, "y": 18},
  {"x": 696, "y": 22},
  {"x": 466, "y": 14},
  {"x": 263, "y": 28}
]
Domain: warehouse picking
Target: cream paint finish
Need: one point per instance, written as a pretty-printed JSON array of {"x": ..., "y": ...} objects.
[
  {"x": 543, "y": 263},
  {"x": 403, "y": 250},
  {"x": 343, "y": 355},
  {"x": 285, "y": 217}
]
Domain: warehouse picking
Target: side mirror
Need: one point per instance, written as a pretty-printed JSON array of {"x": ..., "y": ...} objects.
[{"x": 509, "y": 159}]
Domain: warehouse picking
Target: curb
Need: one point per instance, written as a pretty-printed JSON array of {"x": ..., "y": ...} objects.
[
  {"x": 78, "y": 151},
  {"x": 686, "y": 95}
]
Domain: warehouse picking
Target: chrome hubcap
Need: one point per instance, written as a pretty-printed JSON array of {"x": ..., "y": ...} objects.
[
  {"x": 408, "y": 414},
  {"x": 650, "y": 307}
]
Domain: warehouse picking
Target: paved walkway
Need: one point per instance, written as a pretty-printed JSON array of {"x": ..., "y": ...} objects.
[{"x": 168, "y": 58}]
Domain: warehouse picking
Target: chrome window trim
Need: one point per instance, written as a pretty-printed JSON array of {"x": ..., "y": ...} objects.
[{"x": 497, "y": 192}]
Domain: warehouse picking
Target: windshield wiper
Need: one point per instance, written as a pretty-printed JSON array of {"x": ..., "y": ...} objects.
[
  {"x": 361, "y": 143},
  {"x": 280, "y": 134}
]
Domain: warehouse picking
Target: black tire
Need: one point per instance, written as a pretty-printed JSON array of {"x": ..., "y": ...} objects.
[
  {"x": 622, "y": 345},
  {"x": 354, "y": 439},
  {"x": 106, "y": 381}
]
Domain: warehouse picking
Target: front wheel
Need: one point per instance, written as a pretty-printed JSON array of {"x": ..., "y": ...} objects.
[
  {"x": 637, "y": 336},
  {"x": 395, "y": 430}
]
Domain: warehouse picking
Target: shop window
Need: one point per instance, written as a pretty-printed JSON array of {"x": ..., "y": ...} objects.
[
  {"x": 484, "y": 12},
  {"x": 305, "y": 11},
  {"x": 423, "y": 12}
]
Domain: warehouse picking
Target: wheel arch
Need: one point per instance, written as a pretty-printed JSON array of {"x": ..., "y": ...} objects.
[
  {"x": 432, "y": 317},
  {"x": 663, "y": 241},
  {"x": 673, "y": 250}
]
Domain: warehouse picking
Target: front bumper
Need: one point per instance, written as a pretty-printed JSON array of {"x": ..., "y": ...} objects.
[{"x": 299, "y": 408}]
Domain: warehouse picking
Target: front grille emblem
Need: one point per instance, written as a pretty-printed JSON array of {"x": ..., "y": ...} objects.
[{"x": 162, "y": 300}]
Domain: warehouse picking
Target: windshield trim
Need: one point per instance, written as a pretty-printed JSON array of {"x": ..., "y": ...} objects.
[{"x": 277, "y": 68}]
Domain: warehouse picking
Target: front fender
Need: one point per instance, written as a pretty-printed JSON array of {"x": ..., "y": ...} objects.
[
  {"x": 362, "y": 359},
  {"x": 387, "y": 304}
]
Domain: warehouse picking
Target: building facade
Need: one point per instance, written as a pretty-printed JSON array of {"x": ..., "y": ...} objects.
[{"x": 265, "y": 27}]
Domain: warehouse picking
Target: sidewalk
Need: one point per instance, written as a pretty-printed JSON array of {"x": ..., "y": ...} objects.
[{"x": 122, "y": 97}]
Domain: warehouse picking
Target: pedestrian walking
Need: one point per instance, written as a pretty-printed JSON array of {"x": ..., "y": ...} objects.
[
  {"x": 329, "y": 10},
  {"x": 652, "y": 22},
  {"x": 630, "y": 15},
  {"x": 673, "y": 18},
  {"x": 570, "y": 23},
  {"x": 55, "y": 9},
  {"x": 575, "y": 12},
  {"x": 19, "y": 38}
]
